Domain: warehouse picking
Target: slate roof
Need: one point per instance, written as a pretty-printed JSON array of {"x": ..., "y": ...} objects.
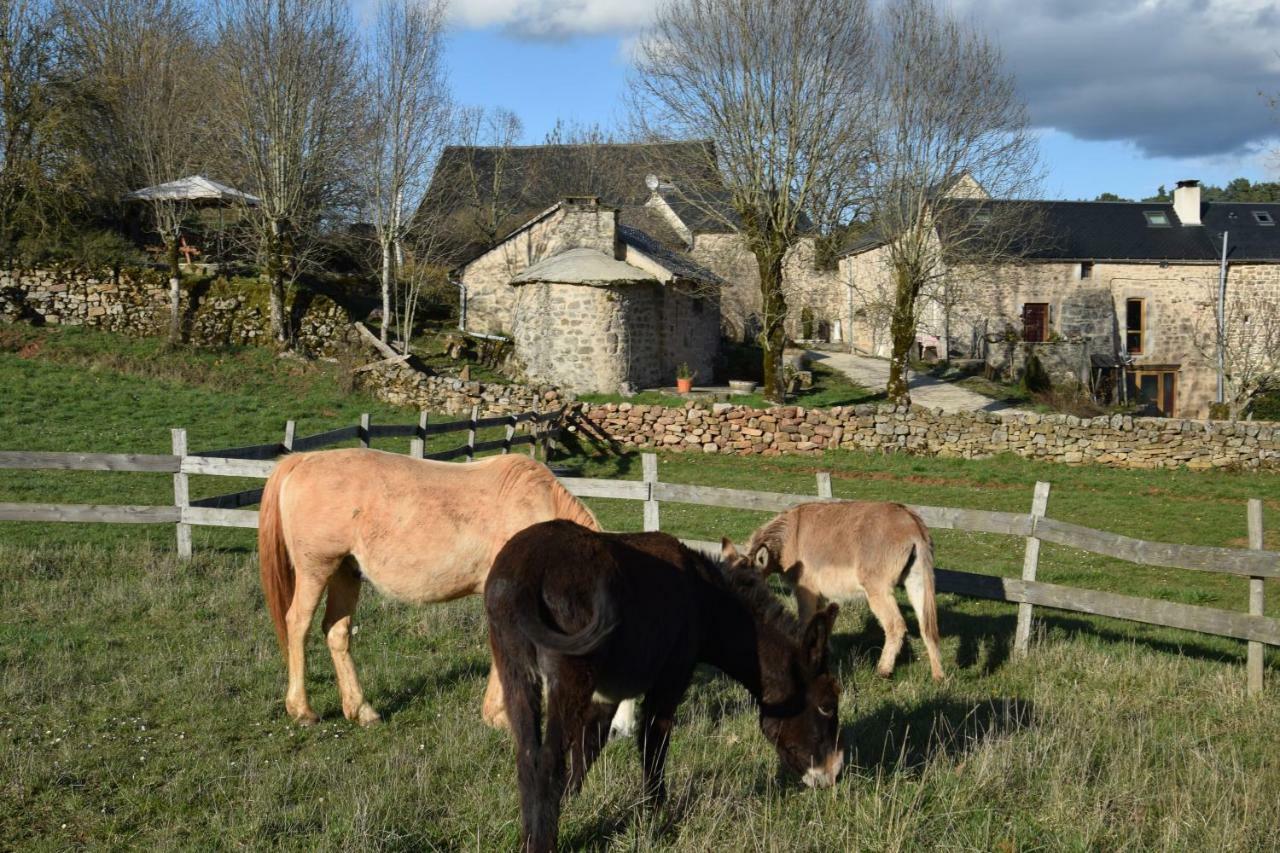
[
  {"x": 1119, "y": 231},
  {"x": 531, "y": 178},
  {"x": 583, "y": 266},
  {"x": 680, "y": 264}
]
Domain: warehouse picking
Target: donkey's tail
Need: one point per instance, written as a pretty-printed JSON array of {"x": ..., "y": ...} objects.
[
  {"x": 273, "y": 556},
  {"x": 923, "y": 568},
  {"x": 603, "y": 622}
]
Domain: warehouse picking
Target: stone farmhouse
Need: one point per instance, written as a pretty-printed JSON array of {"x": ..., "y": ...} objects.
[
  {"x": 1120, "y": 296},
  {"x": 607, "y": 265}
]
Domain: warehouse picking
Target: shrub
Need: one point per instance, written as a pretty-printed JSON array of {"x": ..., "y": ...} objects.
[{"x": 1035, "y": 379}]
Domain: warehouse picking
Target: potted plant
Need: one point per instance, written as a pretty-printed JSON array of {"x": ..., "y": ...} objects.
[{"x": 684, "y": 378}]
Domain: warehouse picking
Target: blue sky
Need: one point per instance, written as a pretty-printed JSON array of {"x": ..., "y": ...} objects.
[{"x": 1126, "y": 94}]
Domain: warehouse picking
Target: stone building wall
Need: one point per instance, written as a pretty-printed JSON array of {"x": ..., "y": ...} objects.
[
  {"x": 224, "y": 312},
  {"x": 1117, "y": 441}
]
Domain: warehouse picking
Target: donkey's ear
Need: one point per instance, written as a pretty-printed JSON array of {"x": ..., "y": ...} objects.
[
  {"x": 727, "y": 551},
  {"x": 761, "y": 558},
  {"x": 817, "y": 636}
]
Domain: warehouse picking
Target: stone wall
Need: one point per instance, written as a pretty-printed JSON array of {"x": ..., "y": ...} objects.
[
  {"x": 1118, "y": 441},
  {"x": 404, "y": 386},
  {"x": 217, "y": 313}
]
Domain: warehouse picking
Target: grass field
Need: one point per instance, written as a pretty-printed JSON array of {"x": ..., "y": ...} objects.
[{"x": 141, "y": 699}]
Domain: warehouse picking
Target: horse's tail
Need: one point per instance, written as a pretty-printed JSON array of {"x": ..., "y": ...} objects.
[
  {"x": 273, "y": 556},
  {"x": 603, "y": 621}
]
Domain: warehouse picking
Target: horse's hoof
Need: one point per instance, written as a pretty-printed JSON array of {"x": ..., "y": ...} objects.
[
  {"x": 367, "y": 717},
  {"x": 306, "y": 718},
  {"x": 884, "y": 673}
]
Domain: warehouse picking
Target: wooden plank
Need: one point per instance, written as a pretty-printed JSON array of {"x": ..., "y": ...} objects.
[
  {"x": 290, "y": 432},
  {"x": 393, "y": 430},
  {"x": 324, "y": 439},
  {"x": 471, "y": 434},
  {"x": 445, "y": 455},
  {"x": 363, "y": 433},
  {"x": 219, "y": 467},
  {"x": 1254, "y": 660},
  {"x": 486, "y": 446},
  {"x": 511, "y": 431},
  {"x": 382, "y": 362},
  {"x": 418, "y": 444},
  {"x": 446, "y": 427},
  {"x": 108, "y": 514},
  {"x": 1261, "y": 564},
  {"x": 208, "y": 517},
  {"x": 824, "y": 485},
  {"x": 584, "y": 487},
  {"x": 730, "y": 498},
  {"x": 372, "y": 340},
  {"x": 256, "y": 451},
  {"x": 649, "y": 464},
  {"x": 235, "y": 500},
  {"x": 181, "y": 495},
  {"x": 1030, "y": 562},
  {"x": 31, "y": 460},
  {"x": 974, "y": 520},
  {"x": 1205, "y": 620}
]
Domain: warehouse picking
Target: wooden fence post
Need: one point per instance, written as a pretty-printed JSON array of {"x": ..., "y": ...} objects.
[
  {"x": 1253, "y": 665},
  {"x": 824, "y": 485},
  {"x": 471, "y": 434},
  {"x": 418, "y": 444},
  {"x": 289, "y": 430},
  {"x": 511, "y": 431},
  {"x": 649, "y": 461},
  {"x": 363, "y": 435},
  {"x": 181, "y": 494},
  {"x": 1030, "y": 562}
]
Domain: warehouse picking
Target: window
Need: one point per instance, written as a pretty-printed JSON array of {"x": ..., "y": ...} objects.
[
  {"x": 1156, "y": 389},
  {"x": 1135, "y": 323},
  {"x": 1156, "y": 218},
  {"x": 981, "y": 217},
  {"x": 1086, "y": 270},
  {"x": 1263, "y": 217},
  {"x": 1035, "y": 322}
]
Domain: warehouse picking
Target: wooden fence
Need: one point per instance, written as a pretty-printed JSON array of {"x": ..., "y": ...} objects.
[{"x": 1035, "y": 526}]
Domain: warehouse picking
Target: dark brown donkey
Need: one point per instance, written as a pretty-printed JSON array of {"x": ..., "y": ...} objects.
[{"x": 599, "y": 617}]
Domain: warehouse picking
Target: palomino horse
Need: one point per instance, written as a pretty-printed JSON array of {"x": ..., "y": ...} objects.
[
  {"x": 838, "y": 550},
  {"x": 418, "y": 530},
  {"x": 591, "y": 618}
]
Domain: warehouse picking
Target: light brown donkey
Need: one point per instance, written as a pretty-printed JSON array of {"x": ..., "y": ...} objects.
[
  {"x": 418, "y": 530},
  {"x": 838, "y": 550}
]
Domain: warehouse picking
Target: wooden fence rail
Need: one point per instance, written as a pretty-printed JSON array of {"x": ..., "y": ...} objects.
[{"x": 1255, "y": 564}]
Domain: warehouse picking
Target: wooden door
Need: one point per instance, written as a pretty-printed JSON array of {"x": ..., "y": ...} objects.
[{"x": 1035, "y": 322}]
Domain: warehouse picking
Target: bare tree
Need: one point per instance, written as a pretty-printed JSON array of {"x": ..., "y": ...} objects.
[
  {"x": 408, "y": 112},
  {"x": 27, "y": 55},
  {"x": 288, "y": 86},
  {"x": 780, "y": 86},
  {"x": 946, "y": 112},
  {"x": 1242, "y": 335},
  {"x": 142, "y": 63},
  {"x": 484, "y": 193}
]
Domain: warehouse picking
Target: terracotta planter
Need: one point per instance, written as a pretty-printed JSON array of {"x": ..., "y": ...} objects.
[{"x": 684, "y": 386}]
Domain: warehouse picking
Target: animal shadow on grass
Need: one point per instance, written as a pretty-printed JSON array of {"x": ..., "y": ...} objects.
[
  {"x": 409, "y": 691},
  {"x": 898, "y": 738}
]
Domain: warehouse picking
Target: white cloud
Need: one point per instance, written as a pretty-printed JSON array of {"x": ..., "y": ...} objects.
[{"x": 556, "y": 19}]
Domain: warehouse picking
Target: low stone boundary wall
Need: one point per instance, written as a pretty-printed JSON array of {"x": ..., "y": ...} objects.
[
  {"x": 404, "y": 386},
  {"x": 1118, "y": 441}
]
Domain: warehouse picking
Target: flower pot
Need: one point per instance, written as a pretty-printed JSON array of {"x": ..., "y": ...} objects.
[
  {"x": 684, "y": 386},
  {"x": 741, "y": 386}
]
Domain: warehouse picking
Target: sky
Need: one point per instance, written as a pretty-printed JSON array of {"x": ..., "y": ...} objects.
[{"x": 1125, "y": 95}]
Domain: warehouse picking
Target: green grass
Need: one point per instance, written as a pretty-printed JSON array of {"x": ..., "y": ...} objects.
[
  {"x": 141, "y": 699},
  {"x": 830, "y": 388}
]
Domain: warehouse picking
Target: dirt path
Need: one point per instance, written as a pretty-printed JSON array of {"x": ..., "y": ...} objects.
[{"x": 873, "y": 374}]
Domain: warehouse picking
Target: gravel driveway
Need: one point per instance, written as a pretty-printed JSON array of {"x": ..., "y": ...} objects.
[{"x": 873, "y": 374}]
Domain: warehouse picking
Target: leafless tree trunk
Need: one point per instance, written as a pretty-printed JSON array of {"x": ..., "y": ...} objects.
[
  {"x": 1247, "y": 335},
  {"x": 142, "y": 63},
  {"x": 780, "y": 86},
  {"x": 288, "y": 84},
  {"x": 408, "y": 112},
  {"x": 946, "y": 112}
]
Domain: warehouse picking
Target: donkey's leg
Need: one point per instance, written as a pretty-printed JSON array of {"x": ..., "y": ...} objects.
[
  {"x": 926, "y": 609},
  {"x": 657, "y": 718},
  {"x": 808, "y": 602},
  {"x": 585, "y": 748},
  {"x": 308, "y": 588},
  {"x": 340, "y": 605},
  {"x": 885, "y": 608},
  {"x": 517, "y": 667}
]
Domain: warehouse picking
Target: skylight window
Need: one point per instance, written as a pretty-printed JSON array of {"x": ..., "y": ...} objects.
[
  {"x": 1263, "y": 217},
  {"x": 1156, "y": 218}
]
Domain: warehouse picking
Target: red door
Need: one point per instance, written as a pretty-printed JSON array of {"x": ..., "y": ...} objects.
[{"x": 1035, "y": 321}]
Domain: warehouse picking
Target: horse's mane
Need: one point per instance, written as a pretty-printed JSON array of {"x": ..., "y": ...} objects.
[
  {"x": 530, "y": 473},
  {"x": 772, "y": 535},
  {"x": 752, "y": 589}
]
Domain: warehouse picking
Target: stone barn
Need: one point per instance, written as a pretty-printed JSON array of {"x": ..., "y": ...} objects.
[{"x": 594, "y": 305}]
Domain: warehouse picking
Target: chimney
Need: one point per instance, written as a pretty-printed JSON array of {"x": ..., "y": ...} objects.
[{"x": 1186, "y": 202}]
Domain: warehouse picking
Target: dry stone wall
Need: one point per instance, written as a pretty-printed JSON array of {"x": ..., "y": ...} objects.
[
  {"x": 1117, "y": 441},
  {"x": 137, "y": 303},
  {"x": 404, "y": 386}
]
